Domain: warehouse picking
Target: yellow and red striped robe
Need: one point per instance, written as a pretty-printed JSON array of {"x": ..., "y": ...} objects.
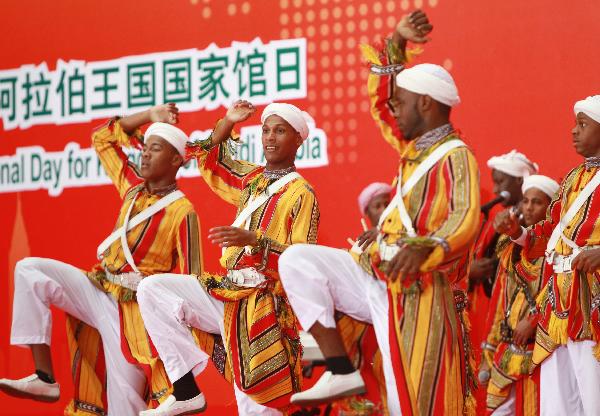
[
  {"x": 428, "y": 337},
  {"x": 167, "y": 242},
  {"x": 569, "y": 302},
  {"x": 261, "y": 330},
  {"x": 510, "y": 366}
]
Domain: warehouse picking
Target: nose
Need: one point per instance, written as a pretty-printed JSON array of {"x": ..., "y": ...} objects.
[{"x": 574, "y": 131}]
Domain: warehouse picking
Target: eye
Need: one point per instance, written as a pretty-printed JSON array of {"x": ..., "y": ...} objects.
[{"x": 280, "y": 131}]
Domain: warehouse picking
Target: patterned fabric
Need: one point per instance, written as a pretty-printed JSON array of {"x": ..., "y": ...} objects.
[
  {"x": 517, "y": 283},
  {"x": 428, "y": 338},
  {"x": 568, "y": 302},
  {"x": 168, "y": 242},
  {"x": 261, "y": 331}
]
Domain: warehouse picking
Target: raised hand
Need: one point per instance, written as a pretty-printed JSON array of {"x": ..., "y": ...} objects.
[
  {"x": 506, "y": 222},
  {"x": 240, "y": 111},
  {"x": 232, "y": 237},
  {"x": 165, "y": 113},
  {"x": 414, "y": 27}
]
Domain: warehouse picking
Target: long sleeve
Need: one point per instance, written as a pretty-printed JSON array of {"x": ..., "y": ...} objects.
[
  {"x": 221, "y": 172},
  {"x": 379, "y": 89},
  {"x": 461, "y": 177},
  {"x": 189, "y": 250},
  {"x": 108, "y": 141}
]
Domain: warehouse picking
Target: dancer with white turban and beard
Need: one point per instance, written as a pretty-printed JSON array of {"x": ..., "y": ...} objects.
[
  {"x": 512, "y": 322},
  {"x": 157, "y": 231},
  {"x": 566, "y": 344},
  {"x": 406, "y": 281},
  {"x": 247, "y": 304}
]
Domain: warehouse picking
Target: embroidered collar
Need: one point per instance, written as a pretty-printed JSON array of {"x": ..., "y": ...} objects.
[
  {"x": 278, "y": 173},
  {"x": 592, "y": 162},
  {"x": 433, "y": 136}
]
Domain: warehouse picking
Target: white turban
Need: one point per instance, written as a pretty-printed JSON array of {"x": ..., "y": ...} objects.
[
  {"x": 432, "y": 80},
  {"x": 590, "y": 107},
  {"x": 171, "y": 134},
  {"x": 370, "y": 192},
  {"x": 297, "y": 118},
  {"x": 513, "y": 163},
  {"x": 545, "y": 184}
]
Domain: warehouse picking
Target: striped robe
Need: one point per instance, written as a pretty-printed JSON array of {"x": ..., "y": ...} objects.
[
  {"x": 261, "y": 330},
  {"x": 168, "y": 242},
  {"x": 569, "y": 302},
  {"x": 509, "y": 365},
  {"x": 428, "y": 337}
]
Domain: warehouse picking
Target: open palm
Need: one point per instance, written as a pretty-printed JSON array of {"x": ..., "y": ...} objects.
[{"x": 240, "y": 111}]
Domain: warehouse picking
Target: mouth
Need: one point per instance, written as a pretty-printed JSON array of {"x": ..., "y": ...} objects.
[{"x": 271, "y": 148}]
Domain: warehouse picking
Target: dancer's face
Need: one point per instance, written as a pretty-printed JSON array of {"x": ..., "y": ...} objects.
[
  {"x": 280, "y": 142},
  {"x": 586, "y": 136},
  {"x": 159, "y": 159}
]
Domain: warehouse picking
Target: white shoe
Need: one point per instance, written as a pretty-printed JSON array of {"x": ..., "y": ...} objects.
[
  {"x": 31, "y": 387},
  {"x": 331, "y": 387},
  {"x": 171, "y": 407}
]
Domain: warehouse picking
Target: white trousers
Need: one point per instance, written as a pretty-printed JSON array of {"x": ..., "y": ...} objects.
[
  {"x": 170, "y": 304},
  {"x": 570, "y": 381},
  {"x": 40, "y": 283},
  {"x": 319, "y": 280}
]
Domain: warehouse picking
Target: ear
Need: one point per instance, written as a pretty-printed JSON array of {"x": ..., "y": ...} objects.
[
  {"x": 425, "y": 103},
  {"x": 299, "y": 140},
  {"x": 177, "y": 160}
]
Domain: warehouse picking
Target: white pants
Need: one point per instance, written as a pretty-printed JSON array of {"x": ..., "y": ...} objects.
[
  {"x": 508, "y": 407},
  {"x": 170, "y": 304},
  {"x": 570, "y": 381},
  {"x": 319, "y": 280},
  {"x": 40, "y": 283}
]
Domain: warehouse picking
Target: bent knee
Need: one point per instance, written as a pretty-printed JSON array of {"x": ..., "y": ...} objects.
[
  {"x": 28, "y": 263},
  {"x": 290, "y": 257},
  {"x": 151, "y": 285}
]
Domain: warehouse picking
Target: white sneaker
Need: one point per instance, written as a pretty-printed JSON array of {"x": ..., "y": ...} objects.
[
  {"x": 171, "y": 407},
  {"x": 31, "y": 387},
  {"x": 330, "y": 387}
]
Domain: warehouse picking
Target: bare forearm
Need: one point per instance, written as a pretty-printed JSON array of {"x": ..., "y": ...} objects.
[
  {"x": 222, "y": 131},
  {"x": 134, "y": 121},
  {"x": 399, "y": 41}
]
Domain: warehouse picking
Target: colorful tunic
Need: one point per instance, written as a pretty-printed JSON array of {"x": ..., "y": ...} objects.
[
  {"x": 168, "y": 242},
  {"x": 261, "y": 331},
  {"x": 569, "y": 302},
  {"x": 428, "y": 337},
  {"x": 518, "y": 281}
]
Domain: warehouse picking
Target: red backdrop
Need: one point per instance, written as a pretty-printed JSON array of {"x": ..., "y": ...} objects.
[{"x": 519, "y": 66}]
